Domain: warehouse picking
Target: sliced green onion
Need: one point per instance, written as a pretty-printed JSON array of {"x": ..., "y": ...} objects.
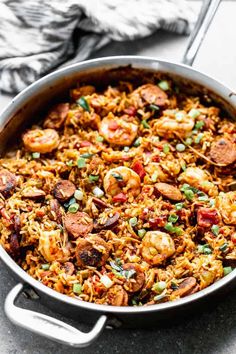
[
  {"x": 179, "y": 116},
  {"x": 117, "y": 176},
  {"x": 203, "y": 198},
  {"x": 179, "y": 206},
  {"x": 78, "y": 194},
  {"x": 189, "y": 194},
  {"x": 227, "y": 270},
  {"x": 198, "y": 138},
  {"x": 169, "y": 226},
  {"x": 73, "y": 208},
  {"x": 173, "y": 218},
  {"x": 154, "y": 176},
  {"x": 82, "y": 102},
  {"x": 215, "y": 229},
  {"x": 194, "y": 113},
  {"x": 71, "y": 201},
  {"x": 159, "y": 287},
  {"x": 141, "y": 233},
  {"x": 126, "y": 149},
  {"x": 100, "y": 138},
  {"x": 177, "y": 230},
  {"x": 166, "y": 148},
  {"x": 133, "y": 221},
  {"x": 199, "y": 124},
  {"x": 154, "y": 107},
  {"x": 145, "y": 124},
  {"x": 159, "y": 297},
  {"x": 35, "y": 155},
  {"x": 45, "y": 266},
  {"x": 70, "y": 163},
  {"x": 174, "y": 286},
  {"x": 87, "y": 155},
  {"x": 81, "y": 162},
  {"x": 204, "y": 249},
  {"x": 164, "y": 85},
  {"x": 137, "y": 142},
  {"x": 224, "y": 247},
  {"x": 93, "y": 178},
  {"x": 180, "y": 147},
  {"x": 77, "y": 288},
  {"x": 212, "y": 202},
  {"x": 188, "y": 141},
  {"x": 98, "y": 192},
  {"x": 183, "y": 165},
  {"x": 106, "y": 281}
]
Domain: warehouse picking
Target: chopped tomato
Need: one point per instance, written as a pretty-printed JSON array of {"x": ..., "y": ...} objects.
[
  {"x": 137, "y": 167},
  {"x": 121, "y": 197},
  {"x": 131, "y": 111},
  {"x": 85, "y": 143},
  {"x": 156, "y": 158},
  {"x": 233, "y": 238},
  {"x": 113, "y": 125},
  {"x": 206, "y": 217}
]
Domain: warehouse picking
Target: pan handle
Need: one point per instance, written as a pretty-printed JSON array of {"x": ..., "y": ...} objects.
[
  {"x": 205, "y": 17},
  {"x": 48, "y": 326}
]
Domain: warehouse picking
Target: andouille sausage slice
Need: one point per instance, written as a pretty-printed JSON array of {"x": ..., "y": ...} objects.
[
  {"x": 7, "y": 181},
  {"x": 153, "y": 94},
  {"x": 68, "y": 267},
  {"x": 169, "y": 191},
  {"x": 136, "y": 281},
  {"x": 117, "y": 296},
  {"x": 92, "y": 251},
  {"x": 223, "y": 151},
  {"x": 78, "y": 224},
  {"x": 57, "y": 116},
  {"x": 64, "y": 190},
  {"x": 108, "y": 224},
  {"x": 187, "y": 286}
]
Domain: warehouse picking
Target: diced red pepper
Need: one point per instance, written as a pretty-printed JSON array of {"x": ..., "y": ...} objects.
[
  {"x": 156, "y": 158},
  {"x": 113, "y": 125},
  {"x": 137, "y": 167},
  {"x": 207, "y": 217},
  {"x": 119, "y": 198},
  {"x": 131, "y": 111},
  {"x": 233, "y": 238},
  {"x": 158, "y": 221},
  {"x": 85, "y": 143}
]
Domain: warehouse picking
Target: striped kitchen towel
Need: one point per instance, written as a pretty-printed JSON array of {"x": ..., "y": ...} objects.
[{"x": 37, "y": 36}]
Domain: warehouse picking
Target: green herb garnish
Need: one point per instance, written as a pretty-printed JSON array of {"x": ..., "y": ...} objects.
[{"x": 82, "y": 102}]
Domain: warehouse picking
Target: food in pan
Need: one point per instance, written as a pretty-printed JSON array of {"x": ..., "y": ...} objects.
[{"x": 123, "y": 195}]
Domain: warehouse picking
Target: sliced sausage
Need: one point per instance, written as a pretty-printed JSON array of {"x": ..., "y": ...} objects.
[
  {"x": 7, "y": 181},
  {"x": 78, "y": 224},
  {"x": 92, "y": 251},
  {"x": 100, "y": 203},
  {"x": 153, "y": 94},
  {"x": 14, "y": 246},
  {"x": 223, "y": 151},
  {"x": 55, "y": 211},
  {"x": 206, "y": 217},
  {"x": 57, "y": 116},
  {"x": 117, "y": 296},
  {"x": 109, "y": 223},
  {"x": 69, "y": 268},
  {"x": 187, "y": 287},
  {"x": 168, "y": 191},
  {"x": 33, "y": 193},
  {"x": 64, "y": 190},
  {"x": 135, "y": 282}
]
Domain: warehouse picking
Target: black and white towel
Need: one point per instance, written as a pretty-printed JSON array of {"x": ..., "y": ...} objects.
[{"x": 37, "y": 36}]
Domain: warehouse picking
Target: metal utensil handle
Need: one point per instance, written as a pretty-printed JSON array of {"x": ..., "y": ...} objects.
[
  {"x": 205, "y": 17},
  {"x": 48, "y": 326}
]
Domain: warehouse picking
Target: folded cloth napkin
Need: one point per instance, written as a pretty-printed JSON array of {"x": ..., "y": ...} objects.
[{"x": 36, "y": 36}]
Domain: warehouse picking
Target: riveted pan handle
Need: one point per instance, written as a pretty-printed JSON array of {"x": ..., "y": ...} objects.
[
  {"x": 48, "y": 326},
  {"x": 205, "y": 17}
]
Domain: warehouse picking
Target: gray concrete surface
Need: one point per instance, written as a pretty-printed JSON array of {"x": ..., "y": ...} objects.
[{"x": 211, "y": 331}]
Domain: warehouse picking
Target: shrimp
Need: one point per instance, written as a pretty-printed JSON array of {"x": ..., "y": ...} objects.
[
  {"x": 41, "y": 140},
  {"x": 50, "y": 246},
  {"x": 117, "y": 130},
  {"x": 226, "y": 204},
  {"x": 157, "y": 246},
  {"x": 198, "y": 178},
  {"x": 167, "y": 127},
  {"x": 121, "y": 179}
]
